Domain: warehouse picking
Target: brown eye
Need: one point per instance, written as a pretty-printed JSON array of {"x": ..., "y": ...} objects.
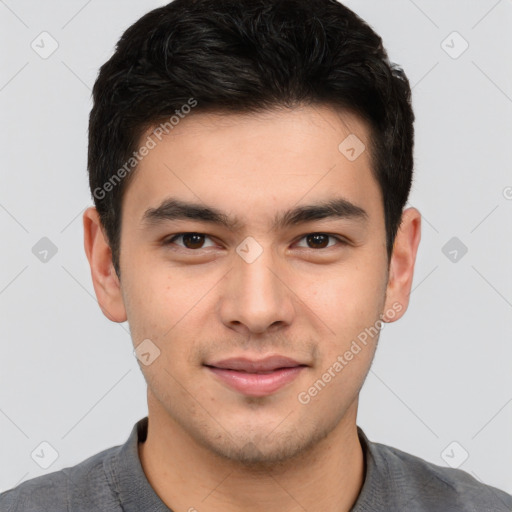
[
  {"x": 320, "y": 241},
  {"x": 189, "y": 240},
  {"x": 193, "y": 240},
  {"x": 317, "y": 240}
]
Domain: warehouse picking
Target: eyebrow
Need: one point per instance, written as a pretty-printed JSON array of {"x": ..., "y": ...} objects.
[{"x": 175, "y": 209}]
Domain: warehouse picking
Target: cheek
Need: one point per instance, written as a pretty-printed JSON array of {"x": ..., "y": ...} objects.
[
  {"x": 152, "y": 286},
  {"x": 346, "y": 293},
  {"x": 349, "y": 304},
  {"x": 148, "y": 297},
  {"x": 164, "y": 308}
]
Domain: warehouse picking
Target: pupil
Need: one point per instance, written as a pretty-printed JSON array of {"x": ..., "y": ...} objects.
[
  {"x": 318, "y": 240},
  {"x": 193, "y": 240}
]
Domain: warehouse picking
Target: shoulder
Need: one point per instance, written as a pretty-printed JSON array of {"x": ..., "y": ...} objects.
[
  {"x": 77, "y": 488},
  {"x": 426, "y": 486}
]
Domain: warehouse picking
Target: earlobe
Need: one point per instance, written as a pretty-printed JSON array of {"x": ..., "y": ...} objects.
[
  {"x": 401, "y": 268},
  {"x": 105, "y": 280}
]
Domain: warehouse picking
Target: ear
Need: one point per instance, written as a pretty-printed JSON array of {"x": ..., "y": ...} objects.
[
  {"x": 104, "y": 278},
  {"x": 401, "y": 267}
]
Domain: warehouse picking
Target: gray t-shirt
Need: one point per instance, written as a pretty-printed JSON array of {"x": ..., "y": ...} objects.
[{"x": 113, "y": 481}]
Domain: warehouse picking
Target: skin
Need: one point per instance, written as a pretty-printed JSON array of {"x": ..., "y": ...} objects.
[{"x": 209, "y": 447}]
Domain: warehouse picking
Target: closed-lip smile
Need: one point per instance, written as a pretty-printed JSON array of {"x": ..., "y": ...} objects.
[{"x": 256, "y": 377}]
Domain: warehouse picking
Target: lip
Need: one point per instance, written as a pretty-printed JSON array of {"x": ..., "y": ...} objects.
[
  {"x": 256, "y": 377},
  {"x": 265, "y": 364}
]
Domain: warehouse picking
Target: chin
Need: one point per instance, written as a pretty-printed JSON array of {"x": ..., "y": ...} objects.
[{"x": 263, "y": 450}]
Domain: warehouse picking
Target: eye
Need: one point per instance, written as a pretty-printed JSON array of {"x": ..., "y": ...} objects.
[
  {"x": 194, "y": 241},
  {"x": 190, "y": 240},
  {"x": 320, "y": 240}
]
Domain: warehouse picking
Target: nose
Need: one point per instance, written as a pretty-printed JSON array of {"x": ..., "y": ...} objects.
[{"x": 255, "y": 297}]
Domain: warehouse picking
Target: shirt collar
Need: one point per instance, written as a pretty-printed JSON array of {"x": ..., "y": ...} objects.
[
  {"x": 131, "y": 484},
  {"x": 372, "y": 495}
]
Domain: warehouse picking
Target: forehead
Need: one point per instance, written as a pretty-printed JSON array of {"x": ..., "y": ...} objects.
[{"x": 254, "y": 165}]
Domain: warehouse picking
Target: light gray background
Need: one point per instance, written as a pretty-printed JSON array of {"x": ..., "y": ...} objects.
[{"x": 441, "y": 374}]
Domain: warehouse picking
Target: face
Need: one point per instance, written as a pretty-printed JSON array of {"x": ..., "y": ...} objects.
[{"x": 254, "y": 273}]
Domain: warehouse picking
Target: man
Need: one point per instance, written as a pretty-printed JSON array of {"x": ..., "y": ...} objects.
[{"x": 250, "y": 161}]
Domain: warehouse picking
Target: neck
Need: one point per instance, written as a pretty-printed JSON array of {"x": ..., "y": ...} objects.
[{"x": 188, "y": 476}]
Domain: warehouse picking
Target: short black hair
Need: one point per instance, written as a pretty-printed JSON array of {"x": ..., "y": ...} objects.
[{"x": 244, "y": 56}]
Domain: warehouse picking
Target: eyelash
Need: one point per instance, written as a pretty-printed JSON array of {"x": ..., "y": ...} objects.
[{"x": 171, "y": 240}]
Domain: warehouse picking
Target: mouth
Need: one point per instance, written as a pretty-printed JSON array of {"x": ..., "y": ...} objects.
[{"x": 256, "y": 377}]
